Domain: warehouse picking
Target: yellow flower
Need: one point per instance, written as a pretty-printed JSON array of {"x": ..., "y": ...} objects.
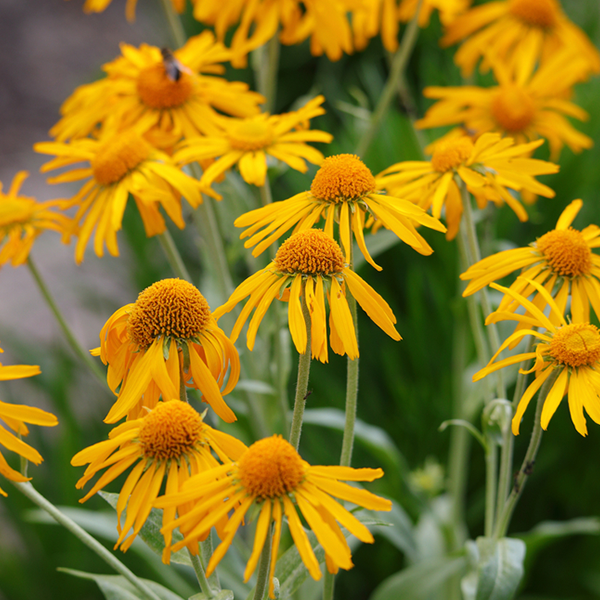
[
  {"x": 449, "y": 10},
  {"x": 15, "y": 416},
  {"x": 311, "y": 264},
  {"x": 175, "y": 95},
  {"x": 272, "y": 476},
  {"x": 523, "y": 106},
  {"x": 487, "y": 167},
  {"x": 170, "y": 441},
  {"x": 119, "y": 164},
  {"x": 569, "y": 351},
  {"x": 324, "y": 21},
  {"x": 22, "y": 219},
  {"x": 168, "y": 332},
  {"x": 98, "y": 6},
  {"x": 371, "y": 17},
  {"x": 561, "y": 260},
  {"x": 342, "y": 191},
  {"x": 247, "y": 142},
  {"x": 519, "y": 33}
]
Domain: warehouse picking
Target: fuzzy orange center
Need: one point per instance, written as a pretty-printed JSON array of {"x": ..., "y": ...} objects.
[
  {"x": 513, "y": 109},
  {"x": 576, "y": 345},
  {"x": 310, "y": 252},
  {"x": 118, "y": 156},
  {"x": 171, "y": 307},
  {"x": 251, "y": 134},
  {"x": 270, "y": 468},
  {"x": 171, "y": 430},
  {"x": 566, "y": 251},
  {"x": 536, "y": 13},
  {"x": 15, "y": 211},
  {"x": 341, "y": 178},
  {"x": 157, "y": 90},
  {"x": 451, "y": 154}
]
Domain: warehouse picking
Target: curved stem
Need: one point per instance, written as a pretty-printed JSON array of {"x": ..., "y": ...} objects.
[
  {"x": 302, "y": 381},
  {"x": 170, "y": 249},
  {"x": 528, "y": 461},
  {"x": 262, "y": 579},
  {"x": 86, "y": 357},
  {"x": 399, "y": 63},
  {"x": 177, "y": 32},
  {"x": 475, "y": 256},
  {"x": 28, "y": 490},
  {"x": 201, "y": 575}
]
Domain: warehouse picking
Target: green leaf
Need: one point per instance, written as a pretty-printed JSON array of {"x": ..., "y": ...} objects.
[
  {"x": 255, "y": 386},
  {"x": 150, "y": 532},
  {"x": 420, "y": 581},
  {"x": 222, "y": 595},
  {"x": 116, "y": 587},
  {"x": 497, "y": 569}
]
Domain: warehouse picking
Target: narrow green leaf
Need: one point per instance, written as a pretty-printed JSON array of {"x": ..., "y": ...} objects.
[
  {"x": 420, "y": 581},
  {"x": 222, "y": 595},
  {"x": 116, "y": 587}
]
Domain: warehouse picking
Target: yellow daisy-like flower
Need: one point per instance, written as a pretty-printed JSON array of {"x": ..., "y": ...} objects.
[
  {"x": 98, "y": 6},
  {"x": 120, "y": 164},
  {"x": 487, "y": 167},
  {"x": 569, "y": 351},
  {"x": 373, "y": 17},
  {"x": 272, "y": 476},
  {"x": 22, "y": 219},
  {"x": 519, "y": 33},
  {"x": 449, "y": 10},
  {"x": 167, "y": 334},
  {"x": 15, "y": 416},
  {"x": 311, "y": 264},
  {"x": 523, "y": 106},
  {"x": 561, "y": 260},
  {"x": 343, "y": 191},
  {"x": 247, "y": 142},
  {"x": 171, "y": 441},
  {"x": 324, "y": 21},
  {"x": 148, "y": 89}
]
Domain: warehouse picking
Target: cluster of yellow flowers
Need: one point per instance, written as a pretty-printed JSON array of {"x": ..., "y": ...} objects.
[{"x": 157, "y": 111}]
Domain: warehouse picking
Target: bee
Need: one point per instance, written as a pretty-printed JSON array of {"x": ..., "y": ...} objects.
[{"x": 173, "y": 67}]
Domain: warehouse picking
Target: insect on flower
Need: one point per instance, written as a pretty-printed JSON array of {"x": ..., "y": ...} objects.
[{"x": 173, "y": 67}]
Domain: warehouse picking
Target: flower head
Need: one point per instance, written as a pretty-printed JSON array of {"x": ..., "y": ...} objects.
[
  {"x": 569, "y": 352},
  {"x": 15, "y": 416},
  {"x": 174, "y": 95},
  {"x": 248, "y": 142},
  {"x": 119, "y": 164},
  {"x": 167, "y": 333},
  {"x": 343, "y": 190},
  {"x": 272, "y": 476},
  {"x": 309, "y": 267},
  {"x": 171, "y": 441},
  {"x": 561, "y": 260},
  {"x": 22, "y": 220},
  {"x": 487, "y": 167},
  {"x": 520, "y": 33},
  {"x": 525, "y": 108}
]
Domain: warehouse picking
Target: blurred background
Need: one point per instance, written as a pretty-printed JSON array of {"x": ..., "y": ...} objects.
[{"x": 49, "y": 47}]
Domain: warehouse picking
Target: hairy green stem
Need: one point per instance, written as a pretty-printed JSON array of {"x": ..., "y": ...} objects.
[
  {"x": 206, "y": 551},
  {"x": 262, "y": 579},
  {"x": 351, "y": 394},
  {"x": 491, "y": 473},
  {"x": 399, "y": 63},
  {"x": 86, "y": 357},
  {"x": 302, "y": 381},
  {"x": 175, "y": 261},
  {"x": 201, "y": 575},
  {"x": 328, "y": 585},
  {"x": 28, "y": 490},
  {"x": 528, "y": 462}
]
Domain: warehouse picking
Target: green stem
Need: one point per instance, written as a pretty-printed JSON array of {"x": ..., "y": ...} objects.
[
  {"x": 491, "y": 472},
  {"x": 177, "y": 31},
  {"x": 528, "y": 462},
  {"x": 28, "y": 490},
  {"x": 201, "y": 575},
  {"x": 266, "y": 66},
  {"x": 302, "y": 381},
  {"x": 86, "y": 357},
  {"x": 262, "y": 579},
  {"x": 475, "y": 256},
  {"x": 206, "y": 550},
  {"x": 399, "y": 63},
  {"x": 328, "y": 585},
  {"x": 170, "y": 249},
  {"x": 351, "y": 395}
]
